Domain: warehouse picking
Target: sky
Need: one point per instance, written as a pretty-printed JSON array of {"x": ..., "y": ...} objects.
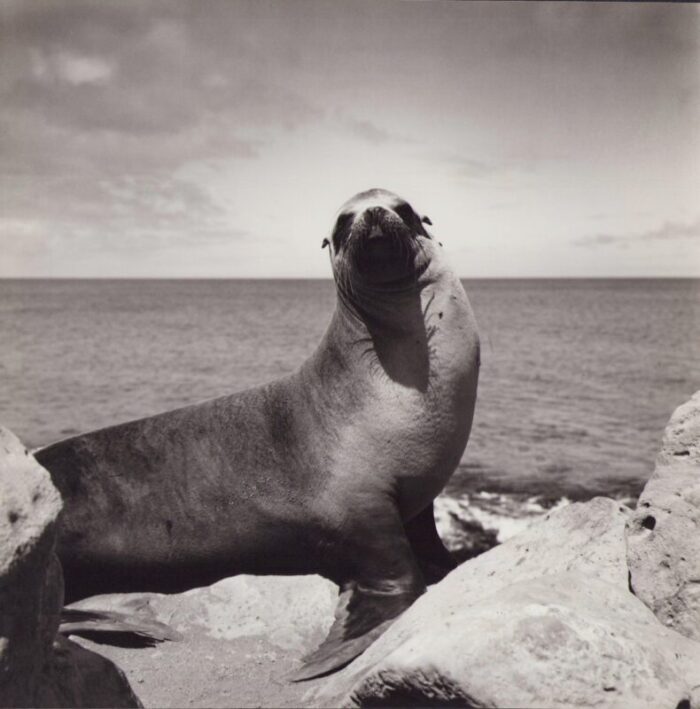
[{"x": 218, "y": 138}]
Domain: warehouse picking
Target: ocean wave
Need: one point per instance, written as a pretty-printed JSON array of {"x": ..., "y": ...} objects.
[
  {"x": 497, "y": 516},
  {"x": 470, "y": 524}
]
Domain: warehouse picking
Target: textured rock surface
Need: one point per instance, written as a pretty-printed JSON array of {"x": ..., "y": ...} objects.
[
  {"x": 664, "y": 532},
  {"x": 241, "y": 637},
  {"x": 36, "y": 668},
  {"x": 77, "y": 677},
  {"x": 31, "y": 591},
  {"x": 545, "y": 619}
]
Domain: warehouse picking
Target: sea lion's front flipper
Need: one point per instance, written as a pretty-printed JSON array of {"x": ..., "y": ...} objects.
[
  {"x": 434, "y": 559},
  {"x": 361, "y": 616},
  {"x": 388, "y": 581},
  {"x": 76, "y": 621}
]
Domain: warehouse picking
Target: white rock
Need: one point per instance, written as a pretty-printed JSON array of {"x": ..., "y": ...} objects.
[
  {"x": 290, "y": 612},
  {"x": 36, "y": 668},
  {"x": 31, "y": 586},
  {"x": 546, "y": 619},
  {"x": 664, "y": 532}
]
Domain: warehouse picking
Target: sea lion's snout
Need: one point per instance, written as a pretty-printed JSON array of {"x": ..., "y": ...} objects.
[
  {"x": 383, "y": 246},
  {"x": 379, "y": 223}
]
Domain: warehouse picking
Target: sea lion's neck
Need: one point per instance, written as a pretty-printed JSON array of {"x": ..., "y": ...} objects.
[
  {"x": 381, "y": 313},
  {"x": 389, "y": 326}
]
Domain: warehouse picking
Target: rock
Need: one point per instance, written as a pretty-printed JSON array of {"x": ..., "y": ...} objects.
[
  {"x": 31, "y": 591},
  {"x": 289, "y": 611},
  {"x": 240, "y": 638},
  {"x": 545, "y": 619},
  {"x": 80, "y": 678},
  {"x": 36, "y": 668},
  {"x": 663, "y": 535}
]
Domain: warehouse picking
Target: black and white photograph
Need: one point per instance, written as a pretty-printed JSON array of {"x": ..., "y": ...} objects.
[{"x": 349, "y": 353}]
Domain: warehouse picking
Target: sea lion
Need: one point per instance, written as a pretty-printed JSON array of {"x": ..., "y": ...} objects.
[{"x": 332, "y": 470}]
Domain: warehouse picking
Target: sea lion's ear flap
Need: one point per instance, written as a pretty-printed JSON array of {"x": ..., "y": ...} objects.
[
  {"x": 426, "y": 220},
  {"x": 325, "y": 243}
]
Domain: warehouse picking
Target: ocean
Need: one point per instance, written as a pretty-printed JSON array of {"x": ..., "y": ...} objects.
[{"x": 577, "y": 382}]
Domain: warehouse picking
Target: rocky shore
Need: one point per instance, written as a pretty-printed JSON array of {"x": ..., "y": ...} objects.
[
  {"x": 37, "y": 666},
  {"x": 594, "y": 605}
]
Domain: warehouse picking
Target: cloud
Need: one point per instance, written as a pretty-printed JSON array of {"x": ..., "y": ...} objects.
[
  {"x": 365, "y": 130},
  {"x": 107, "y": 106},
  {"x": 668, "y": 231},
  {"x": 153, "y": 69},
  {"x": 109, "y": 109},
  {"x": 159, "y": 71},
  {"x": 77, "y": 69},
  {"x": 468, "y": 167},
  {"x": 640, "y": 31},
  {"x": 132, "y": 212}
]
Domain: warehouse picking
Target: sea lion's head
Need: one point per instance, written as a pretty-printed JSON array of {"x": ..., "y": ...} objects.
[{"x": 378, "y": 241}]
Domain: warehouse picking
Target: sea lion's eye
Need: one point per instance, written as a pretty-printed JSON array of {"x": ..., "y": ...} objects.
[
  {"x": 407, "y": 215},
  {"x": 340, "y": 230}
]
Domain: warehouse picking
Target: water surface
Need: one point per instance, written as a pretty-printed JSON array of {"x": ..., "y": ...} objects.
[{"x": 578, "y": 377}]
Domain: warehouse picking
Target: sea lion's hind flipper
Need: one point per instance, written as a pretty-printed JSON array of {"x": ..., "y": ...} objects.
[
  {"x": 92, "y": 623},
  {"x": 361, "y": 616},
  {"x": 434, "y": 559}
]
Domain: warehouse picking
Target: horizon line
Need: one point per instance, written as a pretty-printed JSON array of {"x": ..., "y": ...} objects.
[{"x": 330, "y": 278}]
